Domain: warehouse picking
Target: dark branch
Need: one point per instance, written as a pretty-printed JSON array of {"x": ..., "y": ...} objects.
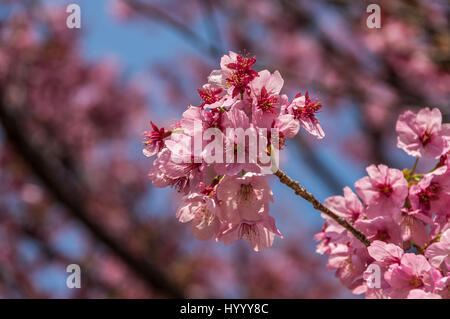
[
  {"x": 302, "y": 192},
  {"x": 70, "y": 194}
]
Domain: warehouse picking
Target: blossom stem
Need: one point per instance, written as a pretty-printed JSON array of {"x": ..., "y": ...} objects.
[
  {"x": 438, "y": 165},
  {"x": 434, "y": 240},
  {"x": 415, "y": 166},
  {"x": 302, "y": 192},
  {"x": 419, "y": 249}
]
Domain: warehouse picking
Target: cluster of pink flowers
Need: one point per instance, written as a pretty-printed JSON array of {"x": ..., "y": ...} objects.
[
  {"x": 229, "y": 200},
  {"x": 405, "y": 216}
]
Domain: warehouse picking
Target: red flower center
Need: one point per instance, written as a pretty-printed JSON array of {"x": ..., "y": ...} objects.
[
  {"x": 428, "y": 194},
  {"x": 385, "y": 190},
  {"x": 383, "y": 235},
  {"x": 246, "y": 191},
  {"x": 425, "y": 138},
  {"x": 246, "y": 230},
  {"x": 242, "y": 73},
  {"x": 307, "y": 111},
  {"x": 266, "y": 101},
  {"x": 156, "y": 136},
  {"x": 416, "y": 282},
  {"x": 210, "y": 96},
  {"x": 213, "y": 119}
]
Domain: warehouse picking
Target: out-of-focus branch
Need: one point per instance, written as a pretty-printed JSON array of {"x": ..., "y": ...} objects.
[
  {"x": 409, "y": 96},
  {"x": 52, "y": 254},
  {"x": 155, "y": 13},
  {"x": 10, "y": 280},
  {"x": 212, "y": 27},
  {"x": 72, "y": 196}
]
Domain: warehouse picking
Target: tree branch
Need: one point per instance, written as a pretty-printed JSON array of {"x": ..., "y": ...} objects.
[
  {"x": 302, "y": 192},
  {"x": 151, "y": 11}
]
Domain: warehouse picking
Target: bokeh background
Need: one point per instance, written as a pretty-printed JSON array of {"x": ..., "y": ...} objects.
[{"x": 74, "y": 104}]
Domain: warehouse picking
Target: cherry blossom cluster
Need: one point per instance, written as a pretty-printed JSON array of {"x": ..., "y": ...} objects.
[
  {"x": 404, "y": 214},
  {"x": 229, "y": 199}
]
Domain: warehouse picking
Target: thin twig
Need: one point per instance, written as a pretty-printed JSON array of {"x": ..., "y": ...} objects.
[
  {"x": 301, "y": 191},
  {"x": 415, "y": 166}
]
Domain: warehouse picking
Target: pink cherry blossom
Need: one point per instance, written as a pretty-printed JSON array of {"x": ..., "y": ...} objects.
[
  {"x": 413, "y": 228},
  {"x": 236, "y": 151},
  {"x": 211, "y": 96},
  {"x": 182, "y": 169},
  {"x": 348, "y": 206},
  {"x": 380, "y": 228},
  {"x": 432, "y": 193},
  {"x": 287, "y": 125},
  {"x": 396, "y": 221},
  {"x": 385, "y": 253},
  {"x": 413, "y": 272},
  {"x": 77, "y": 113},
  {"x": 266, "y": 102},
  {"x": 304, "y": 108},
  {"x": 202, "y": 211},
  {"x": 245, "y": 197},
  {"x": 442, "y": 286},
  {"x": 439, "y": 252},
  {"x": 238, "y": 72},
  {"x": 420, "y": 294},
  {"x": 226, "y": 197},
  {"x": 423, "y": 134},
  {"x": 331, "y": 235},
  {"x": 159, "y": 179},
  {"x": 154, "y": 140},
  {"x": 349, "y": 263},
  {"x": 384, "y": 191},
  {"x": 259, "y": 233}
]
